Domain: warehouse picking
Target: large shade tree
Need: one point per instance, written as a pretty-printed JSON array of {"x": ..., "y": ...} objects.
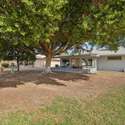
[{"x": 57, "y": 25}]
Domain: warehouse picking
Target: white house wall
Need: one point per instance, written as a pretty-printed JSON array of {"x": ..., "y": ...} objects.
[
  {"x": 41, "y": 63},
  {"x": 114, "y": 65}
]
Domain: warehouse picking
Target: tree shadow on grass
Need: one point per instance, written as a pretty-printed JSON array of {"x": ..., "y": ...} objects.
[{"x": 36, "y": 77}]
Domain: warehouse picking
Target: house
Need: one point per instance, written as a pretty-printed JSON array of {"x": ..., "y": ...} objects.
[
  {"x": 78, "y": 63},
  {"x": 93, "y": 61},
  {"x": 99, "y": 59},
  {"x": 110, "y": 60}
]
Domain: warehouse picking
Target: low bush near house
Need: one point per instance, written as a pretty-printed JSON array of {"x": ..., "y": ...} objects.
[{"x": 5, "y": 65}]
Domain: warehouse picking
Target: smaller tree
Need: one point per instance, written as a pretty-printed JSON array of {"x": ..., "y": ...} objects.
[{"x": 20, "y": 53}]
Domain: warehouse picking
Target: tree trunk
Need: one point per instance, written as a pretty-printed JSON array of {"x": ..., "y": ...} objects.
[
  {"x": 48, "y": 63},
  {"x": 48, "y": 52},
  {"x": 18, "y": 64}
]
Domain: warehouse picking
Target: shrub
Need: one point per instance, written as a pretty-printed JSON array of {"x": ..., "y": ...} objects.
[{"x": 5, "y": 65}]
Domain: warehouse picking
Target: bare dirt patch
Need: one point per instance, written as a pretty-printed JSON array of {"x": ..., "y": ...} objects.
[{"x": 30, "y": 90}]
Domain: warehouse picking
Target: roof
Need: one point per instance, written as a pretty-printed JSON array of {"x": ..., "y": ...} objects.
[
  {"x": 39, "y": 56},
  {"x": 97, "y": 52},
  {"x": 76, "y": 56},
  {"x": 106, "y": 52}
]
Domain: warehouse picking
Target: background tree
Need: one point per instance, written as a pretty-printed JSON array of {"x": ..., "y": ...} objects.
[
  {"x": 57, "y": 25},
  {"x": 18, "y": 52}
]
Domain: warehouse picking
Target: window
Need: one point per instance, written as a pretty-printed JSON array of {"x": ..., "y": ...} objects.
[
  {"x": 114, "y": 58},
  {"x": 65, "y": 62},
  {"x": 89, "y": 62},
  {"x": 75, "y": 62}
]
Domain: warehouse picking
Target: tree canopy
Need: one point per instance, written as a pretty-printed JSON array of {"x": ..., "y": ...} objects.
[{"x": 57, "y": 25}]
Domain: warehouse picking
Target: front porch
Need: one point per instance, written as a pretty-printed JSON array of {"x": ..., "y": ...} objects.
[
  {"x": 77, "y": 64},
  {"x": 75, "y": 70}
]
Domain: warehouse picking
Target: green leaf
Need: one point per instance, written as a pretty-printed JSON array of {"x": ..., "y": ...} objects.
[{"x": 28, "y": 2}]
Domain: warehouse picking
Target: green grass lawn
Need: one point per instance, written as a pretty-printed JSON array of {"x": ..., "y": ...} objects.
[{"x": 108, "y": 109}]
